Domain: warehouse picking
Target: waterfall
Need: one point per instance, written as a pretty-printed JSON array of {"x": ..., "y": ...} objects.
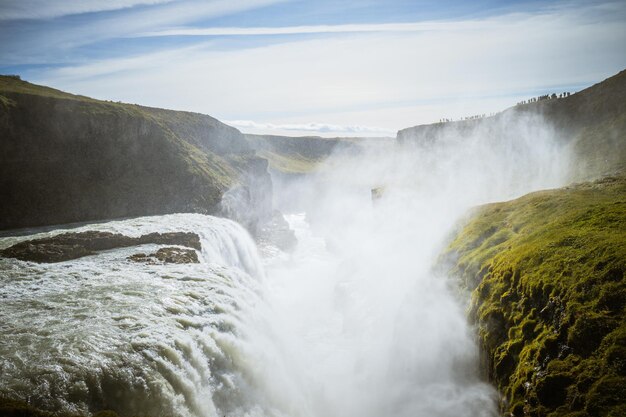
[
  {"x": 362, "y": 322},
  {"x": 356, "y": 322},
  {"x": 103, "y": 332}
]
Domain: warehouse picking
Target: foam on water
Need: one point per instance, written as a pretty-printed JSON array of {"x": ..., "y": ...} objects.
[{"x": 102, "y": 331}]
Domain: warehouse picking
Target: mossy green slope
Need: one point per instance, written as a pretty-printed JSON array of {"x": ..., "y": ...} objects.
[
  {"x": 67, "y": 158},
  {"x": 546, "y": 274}
]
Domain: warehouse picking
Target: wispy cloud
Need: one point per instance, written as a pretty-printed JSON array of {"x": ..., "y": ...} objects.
[
  {"x": 389, "y": 76},
  {"x": 45, "y": 9},
  {"x": 46, "y": 41},
  {"x": 316, "y": 29}
]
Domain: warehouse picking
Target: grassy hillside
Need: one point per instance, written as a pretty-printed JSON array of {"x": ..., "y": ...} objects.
[
  {"x": 67, "y": 158},
  {"x": 299, "y": 155},
  {"x": 546, "y": 273},
  {"x": 591, "y": 122}
]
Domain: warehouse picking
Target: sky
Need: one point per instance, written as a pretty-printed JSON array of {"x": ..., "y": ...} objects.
[{"x": 315, "y": 67}]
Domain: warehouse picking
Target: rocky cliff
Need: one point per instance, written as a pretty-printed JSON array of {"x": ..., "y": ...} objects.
[
  {"x": 591, "y": 123},
  {"x": 67, "y": 158},
  {"x": 548, "y": 296}
]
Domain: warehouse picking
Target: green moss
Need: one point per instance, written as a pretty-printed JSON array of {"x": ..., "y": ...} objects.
[
  {"x": 546, "y": 273},
  {"x": 289, "y": 164},
  {"x": 6, "y": 102}
]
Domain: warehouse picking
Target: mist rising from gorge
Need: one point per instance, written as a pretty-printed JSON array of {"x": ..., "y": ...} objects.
[
  {"x": 357, "y": 321},
  {"x": 361, "y": 323}
]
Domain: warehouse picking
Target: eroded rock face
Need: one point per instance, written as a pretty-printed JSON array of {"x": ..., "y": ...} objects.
[
  {"x": 170, "y": 255},
  {"x": 250, "y": 203},
  {"x": 278, "y": 233},
  {"x": 69, "y": 246}
]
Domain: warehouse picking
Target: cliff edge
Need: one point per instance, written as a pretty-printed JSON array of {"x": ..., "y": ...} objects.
[
  {"x": 548, "y": 296},
  {"x": 66, "y": 158},
  {"x": 591, "y": 124}
]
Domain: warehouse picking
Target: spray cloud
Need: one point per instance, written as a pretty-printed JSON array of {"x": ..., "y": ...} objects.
[{"x": 361, "y": 325}]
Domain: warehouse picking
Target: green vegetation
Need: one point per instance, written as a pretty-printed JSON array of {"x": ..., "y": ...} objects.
[
  {"x": 546, "y": 274},
  {"x": 13, "y": 84},
  {"x": 290, "y": 164},
  {"x": 303, "y": 154},
  {"x": 294, "y": 155},
  {"x": 6, "y": 102}
]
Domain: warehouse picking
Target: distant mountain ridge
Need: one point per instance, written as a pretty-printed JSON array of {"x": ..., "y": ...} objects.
[{"x": 301, "y": 154}]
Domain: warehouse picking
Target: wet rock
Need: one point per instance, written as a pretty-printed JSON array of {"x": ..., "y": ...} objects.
[
  {"x": 69, "y": 246},
  {"x": 552, "y": 390},
  {"x": 188, "y": 239},
  {"x": 168, "y": 255},
  {"x": 45, "y": 253},
  {"x": 277, "y": 232}
]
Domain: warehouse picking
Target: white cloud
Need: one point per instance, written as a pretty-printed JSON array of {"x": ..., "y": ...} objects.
[
  {"x": 43, "y": 9},
  {"x": 249, "y": 126},
  {"x": 386, "y": 79},
  {"x": 316, "y": 29},
  {"x": 33, "y": 48}
]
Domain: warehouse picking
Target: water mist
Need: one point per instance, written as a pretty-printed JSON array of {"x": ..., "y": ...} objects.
[
  {"x": 361, "y": 324},
  {"x": 354, "y": 323}
]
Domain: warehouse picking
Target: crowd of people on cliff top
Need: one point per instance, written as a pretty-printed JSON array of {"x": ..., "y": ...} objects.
[
  {"x": 531, "y": 100},
  {"x": 478, "y": 116},
  {"x": 544, "y": 97}
]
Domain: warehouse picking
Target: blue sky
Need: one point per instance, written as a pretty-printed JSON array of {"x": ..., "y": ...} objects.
[{"x": 326, "y": 67}]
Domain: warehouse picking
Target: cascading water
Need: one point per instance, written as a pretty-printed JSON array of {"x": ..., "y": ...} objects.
[
  {"x": 102, "y": 331},
  {"x": 354, "y": 323}
]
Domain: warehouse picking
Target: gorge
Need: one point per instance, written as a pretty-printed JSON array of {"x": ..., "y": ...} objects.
[{"x": 435, "y": 299}]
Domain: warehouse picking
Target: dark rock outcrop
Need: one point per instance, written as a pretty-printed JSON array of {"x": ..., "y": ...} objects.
[
  {"x": 69, "y": 246},
  {"x": 250, "y": 203},
  {"x": 15, "y": 408},
  {"x": 168, "y": 256},
  {"x": 277, "y": 232}
]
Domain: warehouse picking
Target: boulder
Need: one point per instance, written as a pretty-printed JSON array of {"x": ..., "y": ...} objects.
[
  {"x": 69, "y": 246},
  {"x": 169, "y": 255}
]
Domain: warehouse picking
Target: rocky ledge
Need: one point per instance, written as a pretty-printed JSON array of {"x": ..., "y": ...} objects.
[
  {"x": 167, "y": 255},
  {"x": 67, "y": 246},
  {"x": 277, "y": 232}
]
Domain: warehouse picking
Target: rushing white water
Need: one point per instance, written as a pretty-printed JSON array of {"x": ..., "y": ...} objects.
[
  {"x": 353, "y": 323},
  {"x": 102, "y": 331}
]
